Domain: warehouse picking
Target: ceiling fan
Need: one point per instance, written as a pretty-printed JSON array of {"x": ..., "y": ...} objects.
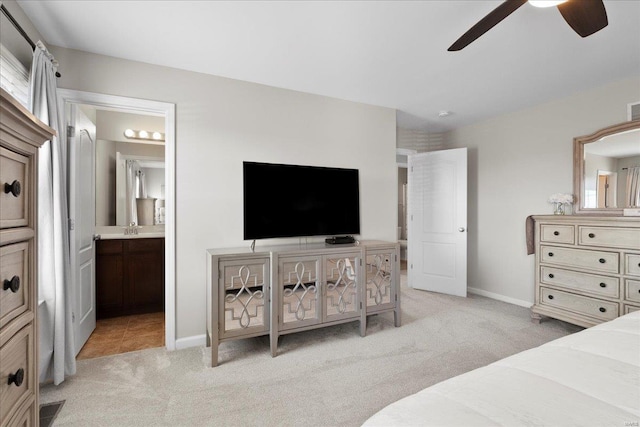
[{"x": 584, "y": 16}]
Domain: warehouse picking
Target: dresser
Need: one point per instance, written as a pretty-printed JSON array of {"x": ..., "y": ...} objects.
[
  {"x": 21, "y": 134},
  {"x": 587, "y": 269}
]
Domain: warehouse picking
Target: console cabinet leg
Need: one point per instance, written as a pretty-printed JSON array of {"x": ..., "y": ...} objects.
[
  {"x": 396, "y": 317},
  {"x": 214, "y": 354},
  {"x": 274, "y": 345},
  {"x": 363, "y": 326}
]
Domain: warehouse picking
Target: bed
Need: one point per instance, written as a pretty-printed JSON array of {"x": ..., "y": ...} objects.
[{"x": 590, "y": 378}]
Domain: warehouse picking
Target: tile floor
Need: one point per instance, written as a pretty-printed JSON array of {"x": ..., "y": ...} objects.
[{"x": 123, "y": 334}]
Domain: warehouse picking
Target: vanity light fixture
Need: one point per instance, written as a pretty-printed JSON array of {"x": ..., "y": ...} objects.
[
  {"x": 546, "y": 3},
  {"x": 144, "y": 135}
]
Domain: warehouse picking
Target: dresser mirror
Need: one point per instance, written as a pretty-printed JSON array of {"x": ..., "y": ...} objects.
[{"x": 606, "y": 170}]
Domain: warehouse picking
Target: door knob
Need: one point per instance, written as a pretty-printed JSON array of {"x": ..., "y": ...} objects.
[{"x": 461, "y": 229}]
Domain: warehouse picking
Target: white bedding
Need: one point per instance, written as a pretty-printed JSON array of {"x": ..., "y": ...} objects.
[{"x": 590, "y": 378}]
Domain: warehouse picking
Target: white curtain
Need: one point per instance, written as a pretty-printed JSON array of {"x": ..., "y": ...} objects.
[
  {"x": 132, "y": 191},
  {"x": 57, "y": 357},
  {"x": 633, "y": 187}
]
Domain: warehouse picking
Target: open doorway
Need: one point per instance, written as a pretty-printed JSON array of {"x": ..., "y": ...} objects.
[
  {"x": 129, "y": 268},
  {"x": 133, "y": 261},
  {"x": 402, "y": 162}
]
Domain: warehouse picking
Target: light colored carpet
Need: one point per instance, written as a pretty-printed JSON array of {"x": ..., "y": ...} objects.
[{"x": 325, "y": 377}]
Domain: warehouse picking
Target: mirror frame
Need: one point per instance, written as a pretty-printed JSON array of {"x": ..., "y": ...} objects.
[{"x": 578, "y": 167}]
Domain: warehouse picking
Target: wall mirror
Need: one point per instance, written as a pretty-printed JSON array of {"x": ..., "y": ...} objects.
[{"x": 606, "y": 170}]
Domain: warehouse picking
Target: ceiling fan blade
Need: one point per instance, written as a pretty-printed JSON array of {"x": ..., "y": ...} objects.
[
  {"x": 487, "y": 23},
  {"x": 584, "y": 16}
]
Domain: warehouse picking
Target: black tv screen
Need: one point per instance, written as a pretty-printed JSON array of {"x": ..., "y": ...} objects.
[{"x": 299, "y": 201}]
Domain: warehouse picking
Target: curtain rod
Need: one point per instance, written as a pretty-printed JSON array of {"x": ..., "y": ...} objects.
[
  {"x": 18, "y": 27},
  {"x": 22, "y": 32}
]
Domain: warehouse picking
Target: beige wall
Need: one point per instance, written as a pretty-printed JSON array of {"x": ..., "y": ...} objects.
[
  {"x": 516, "y": 161},
  {"x": 12, "y": 39},
  {"x": 220, "y": 123}
]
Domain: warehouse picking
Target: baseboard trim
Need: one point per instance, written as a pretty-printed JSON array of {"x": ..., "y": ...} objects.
[
  {"x": 193, "y": 341},
  {"x": 499, "y": 297}
]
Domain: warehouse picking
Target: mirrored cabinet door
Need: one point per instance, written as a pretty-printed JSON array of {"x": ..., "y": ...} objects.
[
  {"x": 299, "y": 290},
  {"x": 244, "y": 305},
  {"x": 380, "y": 289},
  {"x": 341, "y": 299}
]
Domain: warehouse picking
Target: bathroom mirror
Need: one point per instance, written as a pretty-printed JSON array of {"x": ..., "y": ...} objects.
[
  {"x": 606, "y": 170},
  {"x": 139, "y": 190},
  {"x": 113, "y": 148}
]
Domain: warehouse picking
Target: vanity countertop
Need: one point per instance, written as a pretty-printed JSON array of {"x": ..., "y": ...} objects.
[
  {"x": 118, "y": 232},
  {"x": 151, "y": 235}
]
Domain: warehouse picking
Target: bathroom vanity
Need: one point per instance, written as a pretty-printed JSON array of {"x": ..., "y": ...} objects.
[{"x": 129, "y": 276}]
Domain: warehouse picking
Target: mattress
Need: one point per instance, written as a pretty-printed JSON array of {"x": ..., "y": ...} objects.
[{"x": 590, "y": 378}]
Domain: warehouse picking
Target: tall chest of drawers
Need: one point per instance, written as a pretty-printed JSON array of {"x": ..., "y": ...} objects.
[
  {"x": 21, "y": 134},
  {"x": 587, "y": 268}
]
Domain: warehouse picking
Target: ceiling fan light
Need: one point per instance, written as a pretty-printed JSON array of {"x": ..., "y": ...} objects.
[{"x": 546, "y": 3}]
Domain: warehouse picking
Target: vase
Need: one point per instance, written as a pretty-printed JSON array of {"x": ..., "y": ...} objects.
[{"x": 558, "y": 208}]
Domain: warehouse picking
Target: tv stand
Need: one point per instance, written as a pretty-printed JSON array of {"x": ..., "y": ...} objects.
[{"x": 285, "y": 289}]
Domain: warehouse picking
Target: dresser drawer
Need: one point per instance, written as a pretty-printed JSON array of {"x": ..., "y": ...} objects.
[
  {"x": 594, "y": 260},
  {"x": 15, "y": 297},
  {"x": 557, "y": 234},
  {"x": 630, "y": 308},
  {"x": 632, "y": 264},
  {"x": 14, "y": 189},
  {"x": 632, "y": 290},
  {"x": 18, "y": 364},
  {"x": 593, "y": 307},
  {"x": 26, "y": 415},
  {"x": 614, "y": 237},
  {"x": 582, "y": 282}
]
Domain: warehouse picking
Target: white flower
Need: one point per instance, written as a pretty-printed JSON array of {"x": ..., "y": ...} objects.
[{"x": 561, "y": 198}]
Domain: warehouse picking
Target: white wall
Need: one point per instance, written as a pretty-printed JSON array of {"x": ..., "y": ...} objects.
[
  {"x": 516, "y": 161},
  {"x": 220, "y": 123}
]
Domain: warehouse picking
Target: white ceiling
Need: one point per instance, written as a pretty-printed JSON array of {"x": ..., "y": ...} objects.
[{"x": 387, "y": 53}]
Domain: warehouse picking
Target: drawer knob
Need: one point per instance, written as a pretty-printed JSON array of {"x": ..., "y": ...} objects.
[
  {"x": 13, "y": 284},
  {"x": 603, "y": 310},
  {"x": 17, "y": 378},
  {"x": 591, "y": 235},
  {"x": 550, "y": 296},
  {"x": 556, "y": 233},
  {"x": 550, "y": 253},
  {"x": 603, "y": 285},
  {"x": 14, "y": 188},
  {"x": 551, "y": 276},
  {"x": 602, "y": 260}
]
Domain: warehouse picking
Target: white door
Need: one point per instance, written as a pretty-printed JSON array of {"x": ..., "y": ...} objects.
[
  {"x": 82, "y": 214},
  {"x": 437, "y": 228}
]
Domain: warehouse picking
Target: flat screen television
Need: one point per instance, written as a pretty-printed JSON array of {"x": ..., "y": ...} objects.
[{"x": 299, "y": 201}]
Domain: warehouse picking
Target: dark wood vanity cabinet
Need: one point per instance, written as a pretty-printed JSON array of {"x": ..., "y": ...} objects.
[{"x": 129, "y": 277}]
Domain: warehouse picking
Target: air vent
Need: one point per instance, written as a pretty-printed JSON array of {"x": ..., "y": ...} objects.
[{"x": 634, "y": 111}]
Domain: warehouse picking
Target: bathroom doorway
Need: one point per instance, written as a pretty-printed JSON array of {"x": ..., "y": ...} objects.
[{"x": 143, "y": 242}]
